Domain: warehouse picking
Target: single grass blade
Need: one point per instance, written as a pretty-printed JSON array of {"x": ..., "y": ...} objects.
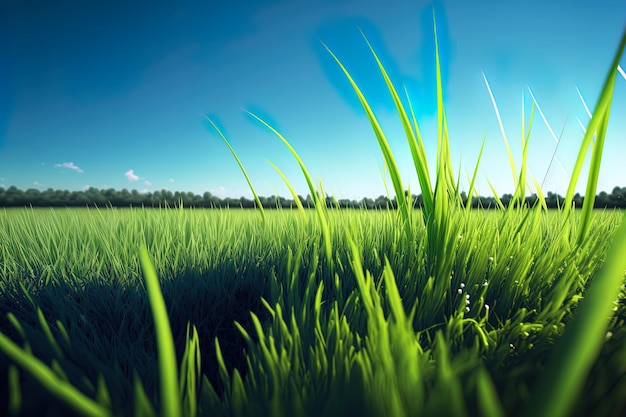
[
  {"x": 506, "y": 142},
  {"x": 291, "y": 190},
  {"x": 47, "y": 377},
  {"x": 15, "y": 393},
  {"x": 584, "y": 103},
  {"x": 319, "y": 201},
  {"x": 488, "y": 400},
  {"x": 142, "y": 405},
  {"x": 243, "y": 170},
  {"x": 470, "y": 192},
  {"x": 592, "y": 181},
  {"x": 394, "y": 173},
  {"x": 554, "y": 158},
  {"x": 168, "y": 374},
  {"x": 542, "y": 199},
  {"x": 48, "y": 332},
  {"x": 422, "y": 161},
  {"x": 557, "y": 140},
  {"x": 495, "y": 195},
  {"x": 520, "y": 191}
]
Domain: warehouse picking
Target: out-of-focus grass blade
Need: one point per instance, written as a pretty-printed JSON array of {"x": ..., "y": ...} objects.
[
  {"x": 488, "y": 400},
  {"x": 495, "y": 195},
  {"x": 165, "y": 343},
  {"x": 447, "y": 377},
  {"x": 243, "y": 170},
  {"x": 540, "y": 195},
  {"x": 143, "y": 407},
  {"x": 15, "y": 392},
  {"x": 190, "y": 370},
  {"x": 48, "y": 332},
  {"x": 54, "y": 384}
]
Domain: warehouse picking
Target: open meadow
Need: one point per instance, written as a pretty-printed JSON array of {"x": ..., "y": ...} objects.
[
  {"x": 443, "y": 311},
  {"x": 73, "y": 282}
]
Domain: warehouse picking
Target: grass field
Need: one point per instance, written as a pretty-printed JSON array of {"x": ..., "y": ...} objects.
[
  {"x": 442, "y": 311},
  {"x": 508, "y": 295}
]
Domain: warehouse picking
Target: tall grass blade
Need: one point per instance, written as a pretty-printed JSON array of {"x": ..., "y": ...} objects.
[
  {"x": 416, "y": 146},
  {"x": 168, "y": 374},
  {"x": 520, "y": 191},
  {"x": 597, "y": 120},
  {"x": 243, "y": 170},
  {"x": 319, "y": 201},
  {"x": 390, "y": 161},
  {"x": 557, "y": 140},
  {"x": 421, "y": 162},
  {"x": 506, "y": 142},
  {"x": 470, "y": 191}
]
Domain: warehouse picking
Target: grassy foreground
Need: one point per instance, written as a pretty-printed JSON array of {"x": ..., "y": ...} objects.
[
  {"x": 443, "y": 311},
  {"x": 74, "y": 284}
]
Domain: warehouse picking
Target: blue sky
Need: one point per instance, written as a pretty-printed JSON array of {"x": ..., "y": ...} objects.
[{"x": 114, "y": 94}]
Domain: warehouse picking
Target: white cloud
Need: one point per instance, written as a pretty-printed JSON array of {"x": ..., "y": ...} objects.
[
  {"x": 36, "y": 183},
  {"x": 148, "y": 183},
  {"x": 86, "y": 187},
  {"x": 144, "y": 191},
  {"x": 69, "y": 165},
  {"x": 171, "y": 180},
  {"x": 131, "y": 175},
  {"x": 220, "y": 190}
]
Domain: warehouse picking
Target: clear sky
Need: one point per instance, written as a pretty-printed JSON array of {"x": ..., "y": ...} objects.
[{"x": 113, "y": 94}]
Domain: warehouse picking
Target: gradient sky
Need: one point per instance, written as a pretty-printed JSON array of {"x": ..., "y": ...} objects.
[{"x": 113, "y": 94}]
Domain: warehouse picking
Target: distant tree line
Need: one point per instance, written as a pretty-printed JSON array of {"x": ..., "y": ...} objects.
[{"x": 93, "y": 197}]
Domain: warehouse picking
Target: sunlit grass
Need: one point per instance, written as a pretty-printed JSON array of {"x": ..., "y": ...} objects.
[{"x": 443, "y": 311}]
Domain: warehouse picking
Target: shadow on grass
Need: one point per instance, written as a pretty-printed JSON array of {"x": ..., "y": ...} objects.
[{"x": 111, "y": 330}]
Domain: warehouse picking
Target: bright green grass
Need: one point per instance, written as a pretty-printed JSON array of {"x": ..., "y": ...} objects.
[
  {"x": 443, "y": 311},
  {"x": 81, "y": 271}
]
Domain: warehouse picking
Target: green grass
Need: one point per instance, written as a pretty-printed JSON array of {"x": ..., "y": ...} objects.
[{"x": 443, "y": 311}]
